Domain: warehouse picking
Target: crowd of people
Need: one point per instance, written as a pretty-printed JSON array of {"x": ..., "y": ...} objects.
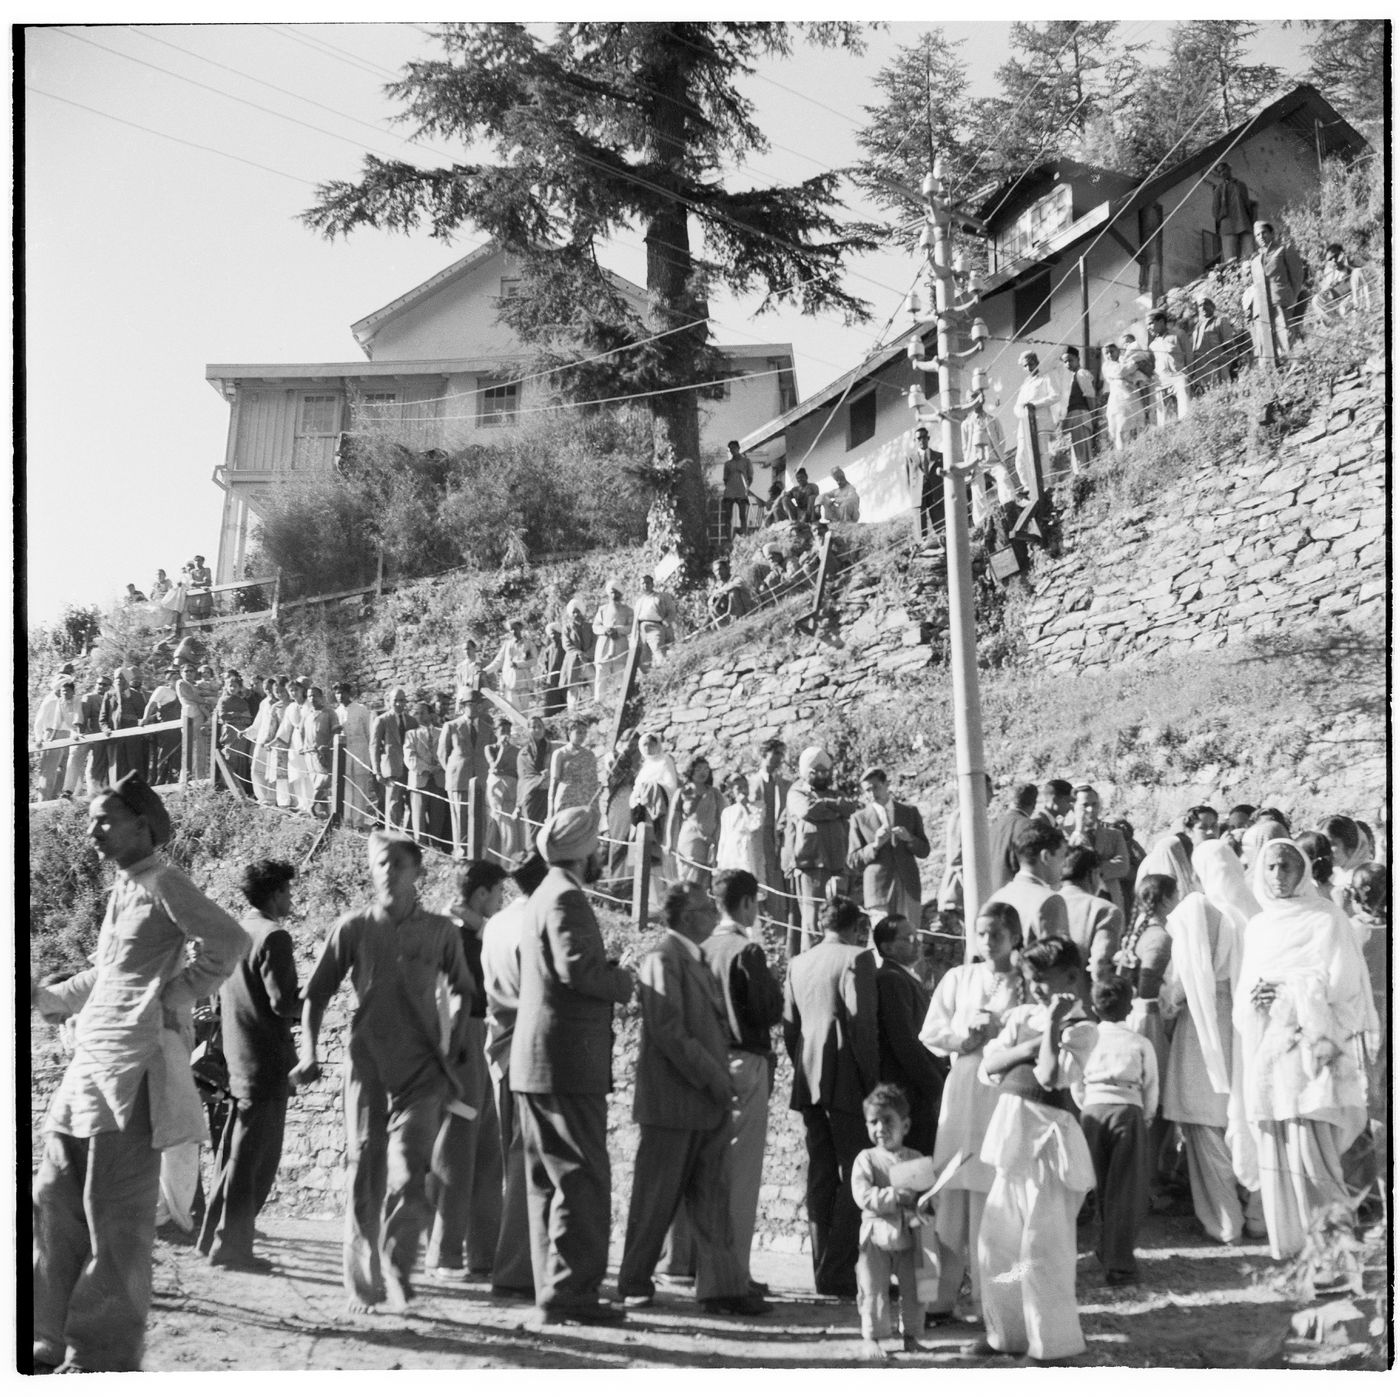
[{"x": 1201, "y": 1016}]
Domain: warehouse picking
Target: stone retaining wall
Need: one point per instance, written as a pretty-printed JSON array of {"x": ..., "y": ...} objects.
[{"x": 1294, "y": 539}]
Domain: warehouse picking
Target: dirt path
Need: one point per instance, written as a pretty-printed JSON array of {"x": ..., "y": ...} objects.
[{"x": 1202, "y": 1305}]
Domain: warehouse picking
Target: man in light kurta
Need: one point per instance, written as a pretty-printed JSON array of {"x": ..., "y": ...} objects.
[{"x": 127, "y": 1094}]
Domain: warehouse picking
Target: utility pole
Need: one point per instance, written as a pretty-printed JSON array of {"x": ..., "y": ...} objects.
[{"x": 953, "y": 316}]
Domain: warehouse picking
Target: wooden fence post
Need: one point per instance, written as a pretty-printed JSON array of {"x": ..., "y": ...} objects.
[
  {"x": 641, "y": 873},
  {"x": 186, "y": 749},
  {"x": 477, "y": 821},
  {"x": 629, "y": 689},
  {"x": 811, "y": 622},
  {"x": 338, "y": 778}
]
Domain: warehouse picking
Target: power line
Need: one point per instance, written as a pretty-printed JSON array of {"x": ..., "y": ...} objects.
[
  {"x": 330, "y": 50},
  {"x": 219, "y": 92},
  {"x": 166, "y": 136},
  {"x": 287, "y": 92}
]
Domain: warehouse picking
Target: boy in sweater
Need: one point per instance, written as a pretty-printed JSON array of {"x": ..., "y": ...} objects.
[{"x": 1117, "y": 1099}]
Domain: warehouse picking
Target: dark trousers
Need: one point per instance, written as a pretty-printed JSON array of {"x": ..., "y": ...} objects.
[
  {"x": 94, "y": 1230},
  {"x": 931, "y": 505},
  {"x": 672, "y": 1165},
  {"x": 834, "y": 1139},
  {"x": 1117, "y": 1139},
  {"x": 465, "y": 1190},
  {"x": 250, "y": 1149},
  {"x": 512, "y": 1266},
  {"x": 569, "y": 1181},
  {"x": 732, "y": 507}
]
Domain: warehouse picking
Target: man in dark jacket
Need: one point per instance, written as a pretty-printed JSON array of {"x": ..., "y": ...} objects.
[
  {"x": 902, "y": 1002},
  {"x": 258, "y": 1004},
  {"x": 753, "y": 1004},
  {"x": 829, "y": 1030},
  {"x": 1002, "y": 836},
  {"x": 561, "y": 1073},
  {"x": 683, "y": 1103}
]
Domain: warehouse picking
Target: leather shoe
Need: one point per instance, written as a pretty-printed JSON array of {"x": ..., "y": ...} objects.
[
  {"x": 638, "y": 1302},
  {"x": 736, "y": 1305},
  {"x": 602, "y": 1313}
]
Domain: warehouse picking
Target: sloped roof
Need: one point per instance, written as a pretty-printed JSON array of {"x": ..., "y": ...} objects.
[{"x": 365, "y": 329}]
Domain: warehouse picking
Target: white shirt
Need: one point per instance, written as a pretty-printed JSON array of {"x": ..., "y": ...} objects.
[{"x": 500, "y": 970}]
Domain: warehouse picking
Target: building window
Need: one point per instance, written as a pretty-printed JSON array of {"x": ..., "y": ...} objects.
[
  {"x": 320, "y": 415},
  {"x": 497, "y": 404},
  {"x": 1032, "y": 308},
  {"x": 379, "y": 407},
  {"x": 1041, "y": 221},
  {"x": 860, "y": 424}
]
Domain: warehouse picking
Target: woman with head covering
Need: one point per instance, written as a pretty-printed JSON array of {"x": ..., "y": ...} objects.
[
  {"x": 1204, "y": 1077},
  {"x": 1301, "y": 1008},
  {"x": 1256, "y": 836},
  {"x": 576, "y": 674},
  {"x": 694, "y": 823},
  {"x": 612, "y": 624},
  {"x": 58, "y": 720},
  {"x": 656, "y": 782},
  {"x": 515, "y": 663},
  {"x": 502, "y": 787},
  {"x": 532, "y": 780},
  {"x": 552, "y": 669}
]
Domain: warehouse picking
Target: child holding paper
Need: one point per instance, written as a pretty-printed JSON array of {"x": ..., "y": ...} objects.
[{"x": 889, "y": 1224}]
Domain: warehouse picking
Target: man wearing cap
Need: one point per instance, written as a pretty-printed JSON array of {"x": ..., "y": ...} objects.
[
  {"x": 127, "y": 1094},
  {"x": 387, "y": 748},
  {"x": 561, "y": 1073},
  {"x": 886, "y": 840},
  {"x": 398, "y": 1075},
  {"x": 817, "y": 836}
]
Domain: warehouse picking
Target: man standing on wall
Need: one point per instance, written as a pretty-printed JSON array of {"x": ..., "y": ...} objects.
[
  {"x": 1036, "y": 393},
  {"x": 923, "y": 468},
  {"x": 1078, "y": 408},
  {"x": 738, "y": 481},
  {"x": 1232, "y": 210},
  {"x": 1283, "y": 270},
  {"x": 127, "y": 1094}
]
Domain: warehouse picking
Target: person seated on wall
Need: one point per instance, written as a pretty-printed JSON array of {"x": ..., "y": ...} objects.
[{"x": 842, "y": 505}]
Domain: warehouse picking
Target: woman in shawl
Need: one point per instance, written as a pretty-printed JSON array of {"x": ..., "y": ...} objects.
[
  {"x": 576, "y": 674},
  {"x": 502, "y": 792},
  {"x": 1301, "y": 1008},
  {"x": 1204, "y": 1079},
  {"x": 552, "y": 669},
  {"x": 656, "y": 782},
  {"x": 694, "y": 823},
  {"x": 532, "y": 781}
]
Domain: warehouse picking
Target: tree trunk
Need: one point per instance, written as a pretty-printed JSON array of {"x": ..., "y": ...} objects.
[{"x": 673, "y": 302}]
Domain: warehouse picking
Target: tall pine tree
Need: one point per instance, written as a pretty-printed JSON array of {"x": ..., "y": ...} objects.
[
  {"x": 924, "y": 113},
  {"x": 1347, "y": 64},
  {"x": 608, "y": 127}
]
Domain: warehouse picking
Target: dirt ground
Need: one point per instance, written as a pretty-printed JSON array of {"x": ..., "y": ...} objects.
[{"x": 1201, "y": 1305}]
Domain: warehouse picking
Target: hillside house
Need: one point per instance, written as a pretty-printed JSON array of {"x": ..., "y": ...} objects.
[
  {"x": 1075, "y": 254},
  {"x": 439, "y": 370}
]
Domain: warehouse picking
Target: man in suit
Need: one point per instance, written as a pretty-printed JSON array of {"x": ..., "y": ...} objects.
[
  {"x": 1040, "y": 854},
  {"x": 1107, "y": 842},
  {"x": 769, "y": 790},
  {"x": 427, "y": 797},
  {"x": 1003, "y": 833},
  {"x": 1095, "y": 924},
  {"x": 901, "y": 1004},
  {"x": 830, "y": 1032},
  {"x": 387, "y": 748},
  {"x": 753, "y": 1004},
  {"x": 887, "y": 837},
  {"x": 683, "y": 1102},
  {"x": 561, "y": 1073}
]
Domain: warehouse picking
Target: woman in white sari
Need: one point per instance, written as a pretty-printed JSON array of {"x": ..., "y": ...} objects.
[
  {"x": 1203, "y": 1090},
  {"x": 1300, "y": 1008}
]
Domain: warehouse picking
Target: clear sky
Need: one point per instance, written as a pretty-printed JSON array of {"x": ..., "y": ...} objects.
[{"x": 145, "y": 259}]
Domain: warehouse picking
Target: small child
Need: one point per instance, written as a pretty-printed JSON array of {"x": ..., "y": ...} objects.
[
  {"x": 887, "y": 1226},
  {"x": 1117, "y": 1099},
  {"x": 1027, "y": 1247}
]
